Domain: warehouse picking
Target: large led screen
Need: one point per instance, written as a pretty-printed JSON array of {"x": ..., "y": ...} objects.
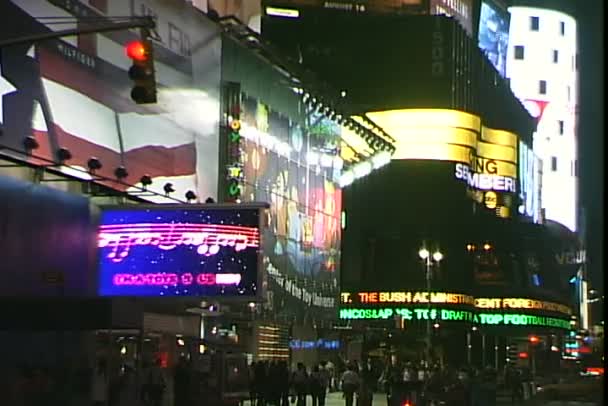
[
  {"x": 179, "y": 251},
  {"x": 494, "y": 35},
  {"x": 294, "y": 166},
  {"x": 73, "y": 92}
]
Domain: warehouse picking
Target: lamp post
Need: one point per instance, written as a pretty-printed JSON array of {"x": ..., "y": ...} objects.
[{"x": 426, "y": 256}]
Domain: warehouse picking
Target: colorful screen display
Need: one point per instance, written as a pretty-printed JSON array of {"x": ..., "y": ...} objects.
[
  {"x": 179, "y": 251},
  {"x": 494, "y": 35},
  {"x": 294, "y": 166}
]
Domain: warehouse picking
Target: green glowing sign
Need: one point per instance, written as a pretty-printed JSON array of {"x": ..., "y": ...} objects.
[{"x": 424, "y": 313}]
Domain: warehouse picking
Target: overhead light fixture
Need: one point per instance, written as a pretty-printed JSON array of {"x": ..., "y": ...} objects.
[
  {"x": 94, "y": 164},
  {"x": 282, "y": 12}
]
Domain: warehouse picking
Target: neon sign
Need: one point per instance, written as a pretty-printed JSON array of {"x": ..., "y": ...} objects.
[
  {"x": 484, "y": 181},
  {"x": 405, "y": 297},
  {"x": 179, "y": 250},
  {"x": 453, "y": 315}
]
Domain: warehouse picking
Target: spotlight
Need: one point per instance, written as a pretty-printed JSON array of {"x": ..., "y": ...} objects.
[
  {"x": 145, "y": 180},
  {"x": 168, "y": 188},
  {"x": 64, "y": 154},
  {"x": 30, "y": 143},
  {"x": 190, "y": 195},
  {"x": 94, "y": 164},
  {"x": 209, "y": 200},
  {"x": 121, "y": 172}
]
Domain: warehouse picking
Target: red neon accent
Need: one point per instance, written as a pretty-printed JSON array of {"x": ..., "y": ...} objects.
[
  {"x": 136, "y": 50},
  {"x": 523, "y": 355},
  {"x": 207, "y": 237}
]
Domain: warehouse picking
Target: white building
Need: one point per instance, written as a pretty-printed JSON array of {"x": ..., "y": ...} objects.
[{"x": 542, "y": 67}]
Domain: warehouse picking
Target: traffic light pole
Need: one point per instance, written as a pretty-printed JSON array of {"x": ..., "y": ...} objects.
[{"x": 145, "y": 23}]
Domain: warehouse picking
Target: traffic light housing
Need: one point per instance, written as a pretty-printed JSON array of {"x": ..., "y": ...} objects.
[{"x": 141, "y": 71}]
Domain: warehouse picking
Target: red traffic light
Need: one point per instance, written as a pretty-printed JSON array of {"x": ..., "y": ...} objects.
[
  {"x": 137, "y": 51},
  {"x": 523, "y": 355},
  {"x": 534, "y": 339}
]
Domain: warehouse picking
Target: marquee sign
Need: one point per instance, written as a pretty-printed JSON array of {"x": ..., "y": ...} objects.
[
  {"x": 405, "y": 297},
  {"x": 521, "y": 303},
  {"x": 179, "y": 250},
  {"x": 440, "y": 314}
]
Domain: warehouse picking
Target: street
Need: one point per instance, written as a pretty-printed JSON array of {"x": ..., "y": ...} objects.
[{"x": 335, "y": 399}]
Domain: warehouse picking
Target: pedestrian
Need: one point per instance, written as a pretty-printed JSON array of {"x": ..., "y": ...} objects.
[
  {"x": 350, "y": 384},
  {"x": 181, "y": 383},
  {"x": 516, "y": 387},
  {"x": 300, "y": 384},
  {"x": 259, "y": 383},
  {"x": 100, "y": 384},
  {"x": 283, "y": 382},
  {"x": 391, "y": 378},
  {"x": 156, "y": 384},
  {"x": 367, "y": 382}
]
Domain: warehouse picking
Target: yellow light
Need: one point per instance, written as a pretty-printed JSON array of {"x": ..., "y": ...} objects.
[
  {"x": 499, "y": 137},
  {"x": 490, "y": 200},
  {"x": 282, "y": 12},
  {"x": 390, "y": 120},
  {"x": 499, "y": 152},
  {"x": 487, "y": 246}
]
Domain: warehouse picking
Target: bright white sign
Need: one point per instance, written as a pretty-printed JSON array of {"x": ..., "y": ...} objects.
[{"x": 484, "y": 181}]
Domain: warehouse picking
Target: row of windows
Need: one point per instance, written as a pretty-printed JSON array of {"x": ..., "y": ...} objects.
[
  {"x": 573, "y": 166},
  {"x": 535, "y": 25},
  {"x": 520, "y": 55}
]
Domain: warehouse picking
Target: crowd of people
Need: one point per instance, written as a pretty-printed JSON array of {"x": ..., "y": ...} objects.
[{"x": 272, "y": 383}]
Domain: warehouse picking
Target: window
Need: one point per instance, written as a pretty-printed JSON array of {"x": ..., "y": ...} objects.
[
  {"x": 534, "y": 23},
  {"x": 562, "y": 28},
  {"x": 560, "y": 125},
  {"x": 554, "y": 164},
  {"x": 519, "y": 52},
  {"x": 555, "y": 56},
  {"x": 542, "y": 87}
]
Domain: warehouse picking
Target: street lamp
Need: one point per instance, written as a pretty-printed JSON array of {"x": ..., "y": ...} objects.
[{"x": 426, "y": 256}]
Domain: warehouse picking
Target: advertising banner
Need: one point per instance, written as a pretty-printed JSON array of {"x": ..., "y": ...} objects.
[
  {"x": 294, "y": 166},
  {"x": 179, "y": 250},
  {"x": 74, "y": 92}
]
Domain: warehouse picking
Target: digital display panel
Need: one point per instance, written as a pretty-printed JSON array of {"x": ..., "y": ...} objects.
[
  {"x": 294, "y": 166},
  {"x": 494, "y": 35},
  {"x": 438, "y": 314},
  {"x": 179, "y": 251}
]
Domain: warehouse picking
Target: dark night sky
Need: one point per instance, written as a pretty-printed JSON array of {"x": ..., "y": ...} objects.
[{"x": 591, "y": 131}]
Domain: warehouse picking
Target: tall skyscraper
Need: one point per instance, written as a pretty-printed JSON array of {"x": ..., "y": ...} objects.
[{"x": 542, "y": 66}]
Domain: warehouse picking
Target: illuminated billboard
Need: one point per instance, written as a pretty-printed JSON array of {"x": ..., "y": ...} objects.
[
  {"x": 543, "y": 72},
  {"x": 295, "y": 166},
  {"x": 74, "y": 93},
  {"x": 179, "y": 250},
  {"x": 494, "y": 35}
]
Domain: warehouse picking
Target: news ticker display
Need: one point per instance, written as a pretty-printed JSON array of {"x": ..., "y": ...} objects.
[
  {"x": 441, "y": 314},
  {"x": 448, "y": 298}
]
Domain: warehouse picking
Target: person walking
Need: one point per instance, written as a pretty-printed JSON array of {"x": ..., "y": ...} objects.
[
  {"x": 156, "y": 384},
  {"x": 367, "y": 380},
  {"x": 100, "y": 384},
  {"x": 181, "y": 383},
  {"x": 350, "y": 384},
  {"x": 300, "y": 384}
]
